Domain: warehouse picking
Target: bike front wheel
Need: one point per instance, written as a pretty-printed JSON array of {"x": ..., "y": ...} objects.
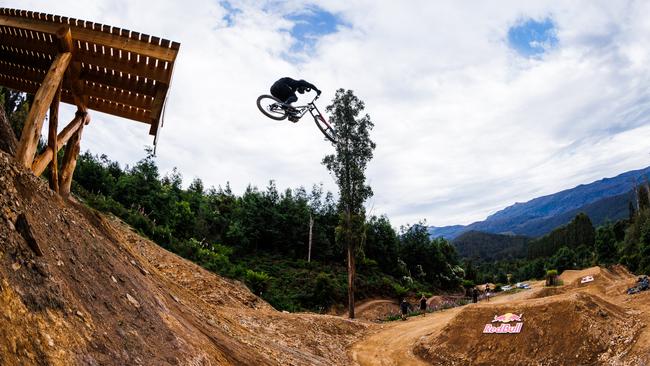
[
  {"x": 271, "y": 107},
  {"x": 325, "y": 128}
]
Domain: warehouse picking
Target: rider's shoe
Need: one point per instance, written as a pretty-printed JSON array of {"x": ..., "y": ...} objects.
[
  {"x": 292, "y": 110},
  {"x": 294, "y": 119}
]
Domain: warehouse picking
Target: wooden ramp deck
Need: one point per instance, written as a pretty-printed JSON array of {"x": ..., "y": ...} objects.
[{"x": 90, "y": 65}]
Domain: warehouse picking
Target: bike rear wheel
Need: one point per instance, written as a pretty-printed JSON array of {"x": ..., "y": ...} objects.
[
  {"x": 271, "y": 107},
  {"x": 325, "y": 128}
]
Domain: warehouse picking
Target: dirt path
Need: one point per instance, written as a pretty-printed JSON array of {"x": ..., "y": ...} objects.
[{"x": 393, "y": 344}]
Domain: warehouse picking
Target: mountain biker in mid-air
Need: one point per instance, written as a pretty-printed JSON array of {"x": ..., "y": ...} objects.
[{"x": 285, "y": 90}]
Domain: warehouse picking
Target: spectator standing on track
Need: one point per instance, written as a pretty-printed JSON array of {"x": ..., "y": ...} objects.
[
  {"x": 487, "y": 291},
  {"x": 423, "y": 305},
  {"x": 475, "y": 295},
  {"x": 404, "y": 307}
]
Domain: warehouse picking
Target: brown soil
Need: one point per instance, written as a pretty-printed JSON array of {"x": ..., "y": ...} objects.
[
  {"x": 101, "y": 295},
  {"x": 376, "y": 310},
  {"x": 580, "y": 327},
  {"x": 77, "y": 287},
  {"x": 575, "y": 324}
]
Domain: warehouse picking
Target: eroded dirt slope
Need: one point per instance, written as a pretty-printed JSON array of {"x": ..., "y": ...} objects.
[{"x": 79, "y": 288}]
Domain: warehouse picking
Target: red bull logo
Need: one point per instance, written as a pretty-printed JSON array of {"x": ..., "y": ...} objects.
[
  {"x": 507, "y": 318},
  {"x": 505, "y": 327}
]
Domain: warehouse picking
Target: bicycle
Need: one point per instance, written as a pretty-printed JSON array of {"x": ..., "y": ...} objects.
[{"x": 273, "y": 108}]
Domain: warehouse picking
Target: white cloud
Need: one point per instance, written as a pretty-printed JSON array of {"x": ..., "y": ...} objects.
[{"x": 464, "y": 125}]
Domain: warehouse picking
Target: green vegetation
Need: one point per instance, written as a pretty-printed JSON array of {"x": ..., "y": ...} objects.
[
  {"x": 488, "y": 246},
  {"x": 578, "y": 232},
  {"x": 578, "y": 245},
  {"x": 261, "y": 237}
]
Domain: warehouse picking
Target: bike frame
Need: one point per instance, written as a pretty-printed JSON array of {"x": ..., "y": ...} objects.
[
  {"x": 311, "y": 107},
  {"x": 297, "y": 113}
]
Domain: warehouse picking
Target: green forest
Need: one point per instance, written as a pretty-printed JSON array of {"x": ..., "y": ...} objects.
[
  {"x": 261, "y": 236},
  {"x": 577, "y": 245}
]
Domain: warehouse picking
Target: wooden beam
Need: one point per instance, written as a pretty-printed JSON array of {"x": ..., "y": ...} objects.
[
  {"x": 24, "y": 58},
  {"x": 18, "y": 84},
  {"x": 159, "y": 73},
  {"x": 121, "y": 96},
  {"x": 25, "y": 72},
  {"x": 140, "y": 85},
  {"x": 156, "y": 108},
  {"x": 64, "y": 40},
  {"x": 142, "y": 47},
  {"x": 42, "y": 100},
  {"x": 41, "y": 162},
  {"x": 69, "y": 163},
  {"x": 12, "y": 37},
  {"x": 52, "y": 140},
  {"x": 65, "y": 43},
  {"x": 120, "y": 110}
]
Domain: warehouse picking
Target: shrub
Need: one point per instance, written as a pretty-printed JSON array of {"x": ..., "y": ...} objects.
[
  {"x": 257, "y": 281},
  {"x": 324, "y": 291},
  {"x": 399, "y": 291},
  {"x": 551, "y": 277},
  {"x": 468, "y": 284}
]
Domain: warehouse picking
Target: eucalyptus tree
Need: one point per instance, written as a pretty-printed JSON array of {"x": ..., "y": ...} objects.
[{"x": 353, "y": 151}]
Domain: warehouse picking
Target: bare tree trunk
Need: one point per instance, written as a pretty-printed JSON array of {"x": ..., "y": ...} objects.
[
  {"x": 351, "y": 268},
  {"x": 311, "y": 225}
]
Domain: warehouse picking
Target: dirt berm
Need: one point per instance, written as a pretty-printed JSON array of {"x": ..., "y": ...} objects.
[
  {"x": 578, "y": 328},
  {"x": 77, "y": 288}
]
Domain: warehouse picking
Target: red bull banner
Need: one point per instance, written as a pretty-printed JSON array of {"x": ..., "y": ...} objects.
[{"x": 505, "y": 327}]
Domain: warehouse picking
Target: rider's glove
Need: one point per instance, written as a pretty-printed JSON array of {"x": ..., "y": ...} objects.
[{"x": 318, "y": 92}]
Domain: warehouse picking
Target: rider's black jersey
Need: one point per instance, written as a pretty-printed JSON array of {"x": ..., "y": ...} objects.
[{"x": 295, "y": 84}]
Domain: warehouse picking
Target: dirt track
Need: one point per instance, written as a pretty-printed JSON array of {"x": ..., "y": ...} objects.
[{"x": 393, "y": 344}]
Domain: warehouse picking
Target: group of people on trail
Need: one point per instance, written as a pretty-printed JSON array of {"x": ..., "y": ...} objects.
[{"x": 404, "y": 307}]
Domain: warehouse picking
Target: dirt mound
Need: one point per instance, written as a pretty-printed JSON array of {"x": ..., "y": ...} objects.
[
  {"x": 376, "y": 310},
  {"x": 549, "y": 291},
  {"x": 571, "y": 276},
  {"x": 577, "y": 328},
  {"x": 76, "y": 288}
]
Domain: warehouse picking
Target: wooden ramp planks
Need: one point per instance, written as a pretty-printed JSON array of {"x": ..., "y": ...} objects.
[{"x": 120, "y": 72}]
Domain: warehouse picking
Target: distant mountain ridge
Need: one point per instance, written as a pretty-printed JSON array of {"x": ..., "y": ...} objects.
[{"x": 602, "y": 200}]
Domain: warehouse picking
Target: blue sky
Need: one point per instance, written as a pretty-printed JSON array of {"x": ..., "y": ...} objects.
[
  {"x": 476, "y": 105},
  {"x": 309, "y": 25},
  {"x": 532, "y": 37}
]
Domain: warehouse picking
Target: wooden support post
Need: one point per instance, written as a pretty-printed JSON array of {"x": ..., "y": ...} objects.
[
  {"x": 76, "y": 86},
  {"x": 52, "y": 140},
  {"x": 41, "y": 162},
  {"x": 70, "y": 159},
  {"x": 36, "y": 116}
]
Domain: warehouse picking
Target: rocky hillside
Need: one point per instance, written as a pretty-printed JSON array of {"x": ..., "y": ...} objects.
[{"x": 80, "y": 288}]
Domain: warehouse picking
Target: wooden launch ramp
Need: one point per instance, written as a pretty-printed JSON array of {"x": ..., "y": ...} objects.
[{"x": 92, "y": 66}]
